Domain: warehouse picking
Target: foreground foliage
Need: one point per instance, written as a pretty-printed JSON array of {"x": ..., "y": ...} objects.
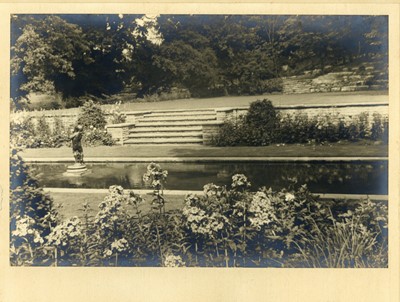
[{"x": 225, "y": 226}]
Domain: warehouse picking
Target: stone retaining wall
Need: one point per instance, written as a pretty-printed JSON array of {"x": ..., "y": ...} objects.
[
  {"x": 349, "y": 110},
  {"x": 210, "y": 131},
  {"x": 347, "y": 80},
  {"x": 120, "y": 132}
]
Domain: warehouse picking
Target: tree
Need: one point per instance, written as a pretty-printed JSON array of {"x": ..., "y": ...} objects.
[
  {"x": 46, "y": 52},
  {"x": 192, "y": 68}
]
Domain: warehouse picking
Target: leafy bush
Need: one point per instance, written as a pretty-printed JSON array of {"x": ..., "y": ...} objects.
[
  {"x": 25, "y": 133},
  {"x": 93, "y": 120},
  {"x": 32, "y": 215},
  {"x": 256, "y": 128},
  {"x": 173, "y": 94},
  {"x": 91, "y": 115},
  {"x": 272, "y": 85},
  {"x": 22, "y": 130}
]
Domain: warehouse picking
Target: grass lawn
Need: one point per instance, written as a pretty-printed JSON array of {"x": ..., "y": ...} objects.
[
  {"x": 71, "y": 203},
  {"x": 239, "y": 101},
  {"x": 277, "y": 100},
  {"x": 340, "y": 149}
]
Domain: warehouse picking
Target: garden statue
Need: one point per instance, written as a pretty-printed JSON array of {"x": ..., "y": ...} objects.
[
  {"x": 79, "y": 167},
  {"x": 77, "y": 149}
]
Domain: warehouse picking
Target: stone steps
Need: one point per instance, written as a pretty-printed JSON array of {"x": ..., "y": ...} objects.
[
  {"x": 166, "y": 134},
  {"x": 171, "y": 140},
  {"x": 144, "y": 123},
  {"x": 187, "y": 128},
  {"x": 166, "y": 113},
  {"x": 177, "y": 118},
  {"x": 171, "y": 127}
]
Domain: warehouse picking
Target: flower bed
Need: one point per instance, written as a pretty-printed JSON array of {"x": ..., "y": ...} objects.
[
  {"x": 25, "y": 133},
  {"x": 226, "y": 226},
  {"x": 264, "y": 125}
]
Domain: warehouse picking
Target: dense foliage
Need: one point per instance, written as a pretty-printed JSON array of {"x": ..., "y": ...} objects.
[
  {"x": 225, "y": 226},
  {"x": 99, "y": 55},
  {"x": 32, "y": 214},
  {"x": 26, "y": 133},
  {"x": 93, "y": 120},
  {"x": 264, "y": 125}
]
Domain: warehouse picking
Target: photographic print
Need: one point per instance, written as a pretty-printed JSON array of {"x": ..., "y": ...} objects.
[{"x": 199, "y": 140}]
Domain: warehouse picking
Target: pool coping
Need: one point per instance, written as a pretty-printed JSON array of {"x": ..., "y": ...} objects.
[
  {"x": 373, "y": 197},
  {"x": 203, "y": 159}
]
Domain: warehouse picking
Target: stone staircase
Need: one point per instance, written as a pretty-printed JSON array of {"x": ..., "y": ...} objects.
[{"x": 171, "y": 127}]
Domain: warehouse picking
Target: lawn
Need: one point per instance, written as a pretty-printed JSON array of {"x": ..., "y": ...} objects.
[
  {"x": 332, "y": 98},
  {"x": 340, "y": 149},
  {"x": 277, "y": 100},
  {"x": 71, "y": 203}
]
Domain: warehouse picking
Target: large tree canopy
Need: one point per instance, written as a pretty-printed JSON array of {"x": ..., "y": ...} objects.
[{"x": 77, "y": 55}]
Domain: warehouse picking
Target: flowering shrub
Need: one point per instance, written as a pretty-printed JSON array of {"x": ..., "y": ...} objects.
[
  {"x": 156, "y": 177},
  {"x": 116, "y": 116},
  {"x": 261, "y": 211}
]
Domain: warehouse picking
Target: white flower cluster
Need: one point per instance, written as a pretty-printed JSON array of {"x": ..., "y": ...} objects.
[
  {"x": 119, "y": 246},
  {"x": 211, "y": 190},
  {"x": 19, "y": 117},
  {"x": 240, "y": 181},
  {"x": 201, "y": 222},
  {"x": 134, "y": 199},
  {"x": 262, "y": 210},
  {"x": 155, "y": 175},
  {"x": 109, "y": 208},
  {"x": 116, "y": 116},
  {"x": 289, "y": 197},
  {"x": 64, "y": 233},
  {"x": 173, "y": 261},
  {"x": 25, "y": 229}
]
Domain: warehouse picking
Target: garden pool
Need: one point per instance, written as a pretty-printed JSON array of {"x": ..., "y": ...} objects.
[{"x": 358, "y": 177}]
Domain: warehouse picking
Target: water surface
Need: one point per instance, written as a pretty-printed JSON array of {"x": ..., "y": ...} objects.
[{"x": 321, "y": 177}]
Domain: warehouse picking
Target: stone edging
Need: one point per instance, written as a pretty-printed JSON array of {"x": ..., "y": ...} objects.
[
  {"x": 185, "y": 192},
  {"x": 203, "y": 159}
]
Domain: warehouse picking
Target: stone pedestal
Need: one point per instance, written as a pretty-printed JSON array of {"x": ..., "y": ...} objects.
[{"x": 76, "y": 170}]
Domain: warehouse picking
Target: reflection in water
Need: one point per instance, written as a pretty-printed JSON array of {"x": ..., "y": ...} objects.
[{"x": 356, "y": 177}]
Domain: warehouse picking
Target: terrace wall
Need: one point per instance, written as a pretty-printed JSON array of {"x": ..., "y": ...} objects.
[
  {"x": 355, "y": 79},
  {"x": 69, "y": 118}
]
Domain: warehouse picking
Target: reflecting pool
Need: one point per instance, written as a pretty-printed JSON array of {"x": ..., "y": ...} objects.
[{"x": 369, "y": 177}]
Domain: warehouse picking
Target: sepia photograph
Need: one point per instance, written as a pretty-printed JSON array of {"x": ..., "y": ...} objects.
[{"x": 199, "y": 140}]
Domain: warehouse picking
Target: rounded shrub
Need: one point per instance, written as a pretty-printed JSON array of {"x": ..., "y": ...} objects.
[{"x": 262, "y": 120}]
